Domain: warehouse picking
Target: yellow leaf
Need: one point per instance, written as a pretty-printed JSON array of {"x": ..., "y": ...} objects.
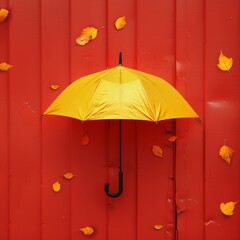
[
  {"x": 3, "y": 14},
  {"x": 5, "y": 66},
  {"x": 226, "y": 153},
  {"x": 87, "y": 34},
  {"x": 68, "y": 175},
  {"x": 120, "y": 23},
  {"x": 172, "y": 138},
  {"x": 157, "y": 151},
  {"x": 56, "y": 186},
  {"x": 158, "y": 227},
  {"x": 228, "y": 208},
  {"x": 85, "y": 139},
  {"x": 87, "y": 230},
  {"x": 224, "y": 63},
  {"x": 55, "y": 86}
]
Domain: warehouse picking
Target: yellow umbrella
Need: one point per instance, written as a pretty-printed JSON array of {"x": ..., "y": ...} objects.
[{"x": 121, "y": 93}]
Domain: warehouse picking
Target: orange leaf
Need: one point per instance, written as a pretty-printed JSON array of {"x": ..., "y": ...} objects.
[
  {"x": 224, "y": 63},
  {"x": 55, "y": 86},
  {"x": 120, "y": 23},
  {"x": 56, "y": 186},
  {"x": 87, "y": 34},
  {"x": 68, "y": 175},
  {"x": 3, "y": 14},
  {"x": 85, "y": 139},
  {"x": 157, "y": 151},
  {"x": 172, "y": 138},
  {"x": 226, "y": 153},
  {"x": 227, "y": 208},
  {"x": 158, "y": 227},
  {"x": 87, "y": 230},
  {"x": 5, "y": 66}
]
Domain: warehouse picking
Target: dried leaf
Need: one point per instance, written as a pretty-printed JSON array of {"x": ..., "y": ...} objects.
[
  {"x": 158, "y": 227},
  {"x": 120, "y": 23},
  {"x": 56, "y": 186},
  {"x": 225, "y": 63},
  {"x": 172, "y": 138},
  {"x": 68, "y": 175},
  {"x": 3, "y": 14},
  {"x": 5, "y": 66},
  {"x": 228, "y": 208},
  {"x": 157, "y": 151},
  {"x": 87, "y": 230},
  {"x": 87, "y": 34},
  {"x": 55, "y": 86},
  {"x": 226, "y": 153},
  {"x": 85, "y": 139}
]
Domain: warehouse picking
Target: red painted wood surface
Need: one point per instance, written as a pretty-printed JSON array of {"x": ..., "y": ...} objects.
[{"x": 179, "y": 41}]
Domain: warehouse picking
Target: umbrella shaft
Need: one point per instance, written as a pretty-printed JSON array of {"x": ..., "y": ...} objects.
[{"x": 120, "y": 145}]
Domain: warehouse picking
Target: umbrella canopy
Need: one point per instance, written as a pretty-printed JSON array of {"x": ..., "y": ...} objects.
[{"x": 121, "y": 93}]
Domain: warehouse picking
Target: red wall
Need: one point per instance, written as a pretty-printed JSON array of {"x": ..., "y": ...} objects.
[{"x": 179, "y": 41}]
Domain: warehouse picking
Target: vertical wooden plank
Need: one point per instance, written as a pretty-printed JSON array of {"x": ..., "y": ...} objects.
[
  {"x": 88, "y": 200},
  {"x": 222, "y": 117},
  {"x": 121, "y": 40},
  {"x": 155, "y": 38},
  {"x": 155, "y": 181},
  {"x": 122, "y": 211},
  {"x": 189, "y": 152},
  {"x": 4, "y": 129},
  {"x": 24, "y": 121},
  {"x": 91, "y": 57},
  {"x": 56, "y": 151},
  {"x": 89, "y": 164},
  {"x": 155, "y": 55}
]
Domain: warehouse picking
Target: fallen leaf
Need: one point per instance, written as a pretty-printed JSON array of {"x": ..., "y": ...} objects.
[
  {"x": 158, "y": 227},
  {"x": 55, "y": 86},
  {"x": 226, "y": 153},
  {"x": 87, "y": 230},
  {"x": 56, "y": 186},
  {"x": 87, "y": 34},
  {"x": 224, "y": 63},
  {"x": 157, "y": 151},
  {"x": 3, "y": 14},
  {"x": 227, "y": 208},
  {"x": 5, "y": 66},
  {"x": 68, "y": 175},
  {"x": 120, "y": 23},
  {"x": 85, "y": 139},
  {"x": 172, "y": 138}
]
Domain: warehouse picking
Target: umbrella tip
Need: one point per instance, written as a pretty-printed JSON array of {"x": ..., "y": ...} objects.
[{"x": 120, "y": 59}]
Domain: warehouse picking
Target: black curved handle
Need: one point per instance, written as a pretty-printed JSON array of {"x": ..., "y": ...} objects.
[{"x": 120, "y": 187}]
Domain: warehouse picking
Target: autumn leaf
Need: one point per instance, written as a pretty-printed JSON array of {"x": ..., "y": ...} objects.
[
  {"x": 227, "y": 208},
  {"x": 3, "y": 14},
  {"x": 5, "y": 66},
  {"x": 172, "y": 138},
  {"x": 87, "y": 34},
  {"x": 224, "y": 63},
  {"x": 56, "y": 186},
  {"x": 87, "y": 230},
  {"x": 68, "y": 175},
  {"x": 120, "y": 23},
  {"x": 158, "y": 227},
  {"x": 226, "y": 153},
  {"x": 157, "y": 151},
  {"x": 55, "y": 86},
  {"x": 85, "y": 139}
]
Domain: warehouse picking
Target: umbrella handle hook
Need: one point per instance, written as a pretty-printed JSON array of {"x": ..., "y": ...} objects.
[{"x": 120, "y": 186}]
